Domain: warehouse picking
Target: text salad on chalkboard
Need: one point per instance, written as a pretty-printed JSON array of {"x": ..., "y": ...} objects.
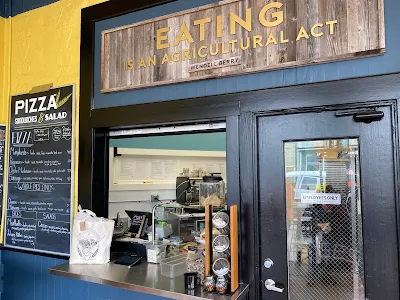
[{"x": 40, "y": 171}]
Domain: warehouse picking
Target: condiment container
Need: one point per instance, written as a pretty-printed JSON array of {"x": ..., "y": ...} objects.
[
  {"x": 174, "y": 266},
  {"x": 209, "y": 283},
  {"x": 190, "y": 280},
  {"x": 221, "y": 222},
  {"x": 155, "y": 252},
  {"x": 221, "y": 267},
  {"x": 221, "y": 286},
  {"x": 212, "y": 190},
  {"x": 221, "y": 243}
]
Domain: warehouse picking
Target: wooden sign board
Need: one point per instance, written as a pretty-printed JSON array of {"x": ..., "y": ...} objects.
[{"x": 237, "y": 37}]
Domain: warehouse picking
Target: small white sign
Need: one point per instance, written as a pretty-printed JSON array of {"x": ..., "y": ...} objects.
[
  {"x": 321, "y": 198},
  {"x": 219, "y": 63}
]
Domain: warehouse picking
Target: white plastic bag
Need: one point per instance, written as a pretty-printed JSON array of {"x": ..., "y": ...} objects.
[{"x": 91, "y": 238}]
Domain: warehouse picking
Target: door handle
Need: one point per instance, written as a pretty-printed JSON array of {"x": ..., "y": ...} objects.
[{"x": 270, "y": 285}]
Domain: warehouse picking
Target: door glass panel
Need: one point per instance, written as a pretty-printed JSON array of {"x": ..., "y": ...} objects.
[{"x": 324, "y": 223}]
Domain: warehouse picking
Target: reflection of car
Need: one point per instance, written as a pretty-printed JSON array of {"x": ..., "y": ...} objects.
[{"x": 303, "y": 182}]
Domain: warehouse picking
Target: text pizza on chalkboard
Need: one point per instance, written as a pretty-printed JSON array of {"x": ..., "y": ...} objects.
[
  {"x": 2, "y": 150},
  {"x": 40, "y": 171}
]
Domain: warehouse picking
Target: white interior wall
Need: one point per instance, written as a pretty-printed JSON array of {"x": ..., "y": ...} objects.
[{"x": 135, "y": 194}]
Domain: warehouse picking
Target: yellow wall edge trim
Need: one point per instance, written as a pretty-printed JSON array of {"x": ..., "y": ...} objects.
[{"x": 5, "y": 107}]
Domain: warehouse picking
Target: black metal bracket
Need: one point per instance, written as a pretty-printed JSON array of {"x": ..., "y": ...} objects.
[
  {"x": 367, "y": 115},
  {"x": 116, "y": 152}
]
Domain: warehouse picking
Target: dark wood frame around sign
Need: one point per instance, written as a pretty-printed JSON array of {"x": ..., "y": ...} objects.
[{"x": 239, "y": 111}]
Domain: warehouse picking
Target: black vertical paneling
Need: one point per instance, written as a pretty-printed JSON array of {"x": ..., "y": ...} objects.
[
  {"x": 233, "y": 174},
  {"x": 100, "y": 173},
  {"x": 232, "y": 159},
  {"x": 5, "y": 8},
  {"x": 21, "y": 6},
  {"x": 249, "y": 205},
  {"x": 15, "y": 7}
]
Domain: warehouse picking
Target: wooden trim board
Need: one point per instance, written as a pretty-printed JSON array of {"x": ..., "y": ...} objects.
[{"x": 234, "y": 236}]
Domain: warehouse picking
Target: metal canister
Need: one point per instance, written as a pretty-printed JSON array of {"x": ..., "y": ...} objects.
[
  {"x": 221, "y": 267},
  {"x": 221, "y": 222},
  {"x": 221, "y": 243}
]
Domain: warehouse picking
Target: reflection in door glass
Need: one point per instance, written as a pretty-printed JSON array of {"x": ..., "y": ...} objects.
[{"x": 324, "y": 224}]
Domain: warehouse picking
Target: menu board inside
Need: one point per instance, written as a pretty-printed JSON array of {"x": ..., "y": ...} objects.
[
  {"x": 40, "y": 164},
  {"x": 2, "y": 145}
]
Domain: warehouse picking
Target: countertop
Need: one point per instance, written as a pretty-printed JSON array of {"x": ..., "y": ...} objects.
[{"x": 144, "y": 278}]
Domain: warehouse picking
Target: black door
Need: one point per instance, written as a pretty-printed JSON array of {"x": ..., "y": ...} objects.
[{"x": 327, "y": 191}]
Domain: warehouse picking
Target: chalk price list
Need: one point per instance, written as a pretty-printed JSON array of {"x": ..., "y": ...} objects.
[
  {"x": 26, "y": 220},
  {"x": 40, "y": 174}
]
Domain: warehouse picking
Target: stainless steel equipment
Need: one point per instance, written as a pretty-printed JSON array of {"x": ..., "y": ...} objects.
[{"x": 187, "y": 190}]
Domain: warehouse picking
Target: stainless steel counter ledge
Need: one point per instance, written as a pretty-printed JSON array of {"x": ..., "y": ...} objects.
[{"x": 145, "y": 278}]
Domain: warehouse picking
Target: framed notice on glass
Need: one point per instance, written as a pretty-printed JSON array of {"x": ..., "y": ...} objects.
[{"x": 40, "y": 171}]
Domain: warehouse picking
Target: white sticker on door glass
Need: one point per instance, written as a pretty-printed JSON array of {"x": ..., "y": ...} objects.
[{"x": 321, "y": 198}]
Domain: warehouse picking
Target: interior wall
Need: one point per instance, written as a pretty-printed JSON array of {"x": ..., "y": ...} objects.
[{"x": 118, "y": 200}]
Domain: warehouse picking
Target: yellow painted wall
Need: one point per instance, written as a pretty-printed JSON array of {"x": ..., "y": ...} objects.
[
  {"x": 5, "y": 47},
  {"x": 38, "y": 47},
  {"x": 45, "y": 45},
  {"x": 4, "y": 67}
]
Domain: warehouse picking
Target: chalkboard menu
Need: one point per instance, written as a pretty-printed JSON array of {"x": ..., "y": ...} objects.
[
  {"x": 40, "y": 171},
  {"x": 2, "y": 150}
]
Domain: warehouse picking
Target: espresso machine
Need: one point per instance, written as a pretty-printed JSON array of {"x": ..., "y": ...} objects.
[{"x": 187, "y": 190}]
